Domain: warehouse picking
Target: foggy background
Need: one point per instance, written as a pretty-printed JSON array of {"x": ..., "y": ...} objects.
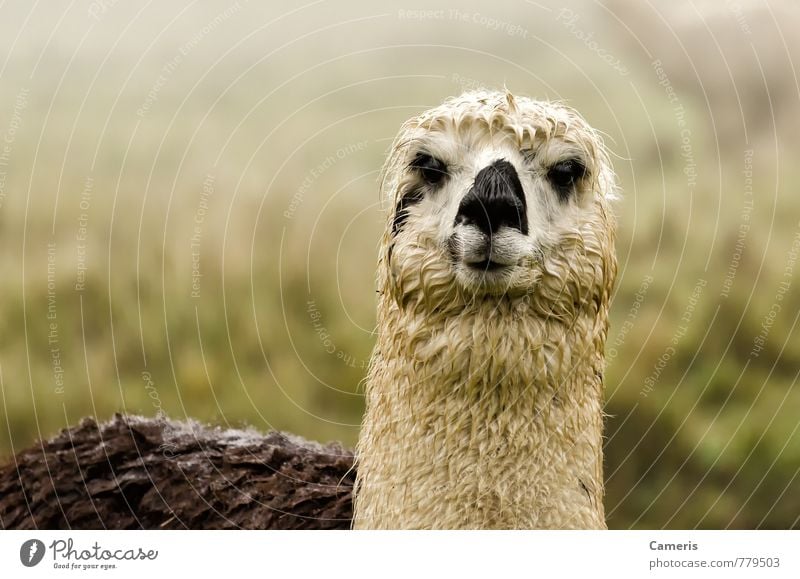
[{"x": 189, "y": 218}]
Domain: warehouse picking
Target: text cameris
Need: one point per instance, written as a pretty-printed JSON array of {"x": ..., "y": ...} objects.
[{"x": 656, "y": 546}]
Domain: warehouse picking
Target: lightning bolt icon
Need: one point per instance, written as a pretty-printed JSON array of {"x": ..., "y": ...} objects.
[{"x": 32, "y": 552}]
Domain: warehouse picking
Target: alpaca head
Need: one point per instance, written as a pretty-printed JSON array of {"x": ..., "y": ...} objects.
[{"x": 495, "y": 195}]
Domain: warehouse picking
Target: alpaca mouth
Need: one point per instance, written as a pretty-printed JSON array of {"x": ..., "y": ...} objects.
[
  {"x": 484, "y": 255},
  {"x": 487, "y": 265}
]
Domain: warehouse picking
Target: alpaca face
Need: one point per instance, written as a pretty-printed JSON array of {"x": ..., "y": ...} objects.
[{"x": 487, "y": 188}]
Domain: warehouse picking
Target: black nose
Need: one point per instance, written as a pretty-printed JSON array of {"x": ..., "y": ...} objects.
[{"x": 496, "y": 199}]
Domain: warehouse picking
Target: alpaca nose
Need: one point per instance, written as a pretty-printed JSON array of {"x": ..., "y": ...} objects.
[{"x": 495, "y": 200}]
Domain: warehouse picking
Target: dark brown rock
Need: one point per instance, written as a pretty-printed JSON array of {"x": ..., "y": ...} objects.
[{"x": 135, "y": 472}]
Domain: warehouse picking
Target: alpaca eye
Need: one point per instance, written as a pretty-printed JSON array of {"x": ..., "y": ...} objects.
[
  {"x": 432, "y": 170},
  {"x": 564, "y": 174}
]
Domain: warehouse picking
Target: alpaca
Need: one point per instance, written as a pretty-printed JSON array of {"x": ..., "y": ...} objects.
[{"x": 484, "y": 404}]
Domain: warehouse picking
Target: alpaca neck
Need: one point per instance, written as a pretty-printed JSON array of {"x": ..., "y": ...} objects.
[{"x": 488, "y": 419}]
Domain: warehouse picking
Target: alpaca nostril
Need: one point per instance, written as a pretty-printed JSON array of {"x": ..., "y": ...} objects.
[
  {"x": 490, "y": 216},
  {"x": 495, "y": 200}
]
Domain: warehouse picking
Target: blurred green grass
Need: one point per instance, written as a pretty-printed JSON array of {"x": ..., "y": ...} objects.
[{"x": 289, "y": 121}]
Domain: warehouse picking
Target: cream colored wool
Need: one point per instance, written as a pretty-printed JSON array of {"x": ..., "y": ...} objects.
[{"x": 484, "y": 401}]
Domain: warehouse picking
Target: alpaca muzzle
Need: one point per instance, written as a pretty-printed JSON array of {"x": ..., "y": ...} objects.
[{"x": 491, "y": 219}]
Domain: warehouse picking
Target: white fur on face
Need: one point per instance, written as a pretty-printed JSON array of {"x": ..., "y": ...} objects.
[{"x": 470, "y": 134}]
